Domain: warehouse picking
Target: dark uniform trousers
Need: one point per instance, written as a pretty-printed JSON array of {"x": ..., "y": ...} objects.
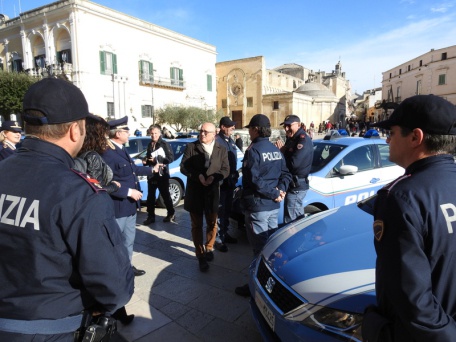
[{"x": 162, "y": 184}]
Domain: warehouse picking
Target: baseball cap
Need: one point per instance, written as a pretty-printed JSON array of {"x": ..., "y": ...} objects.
[
  {"x": 259, "y": 120},
  {"x": 12, "y": 126},
  {"x": 60, "y": 101},
  {"x": 121, "y": 123},
  {"x": 290, "y": 119},
  {"x": 226, "y": 121},
  {"x": 432, "y": 114}
]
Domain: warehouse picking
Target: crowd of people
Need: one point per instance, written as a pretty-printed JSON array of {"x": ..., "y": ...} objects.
[{"x": 74, "y": 212}]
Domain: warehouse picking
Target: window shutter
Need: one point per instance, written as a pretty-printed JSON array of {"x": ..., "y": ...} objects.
[
  {"x": 181, "y": 75},
  {"x": 140, "y": 71},
  {"x": 209, "y": 82},
  {"x": 102, "y": 62},
  {"x": 151, "y": 72},
  {"x": 171, "y": 73},
  {"x": 114, "y": 63}
]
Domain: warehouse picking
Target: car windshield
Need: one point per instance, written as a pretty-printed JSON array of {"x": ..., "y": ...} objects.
[{"x": 323, "y": 154}]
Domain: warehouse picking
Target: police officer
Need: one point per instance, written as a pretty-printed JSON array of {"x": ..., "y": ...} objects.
[
  {"x": 125, "y": 171},
  {"x": 10, "y": 135},
  {"x": 265, "y": 179},
  {"x": 298, "y": 152},
  {"x": 229, "y": 184},
  {"x": 62, "y": 251},
  {"x": 414, "y": 227},
  {"x": 159, "y": 155}
]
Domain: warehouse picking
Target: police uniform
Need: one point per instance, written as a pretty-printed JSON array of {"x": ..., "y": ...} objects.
[
  {"x": 414, "y": 223},
  {"x": 264, "y": 174},
  {"x": 298, "y": 153},
  {"x": 62, "y": 250},
  {"x": 7, "y": 148}
]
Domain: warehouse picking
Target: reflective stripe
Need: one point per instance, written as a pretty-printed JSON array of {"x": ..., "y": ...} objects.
[{"x": 41, "y": 326}]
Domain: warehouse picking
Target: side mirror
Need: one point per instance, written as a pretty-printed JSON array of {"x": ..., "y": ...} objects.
[{"x": 348, "y": 170}]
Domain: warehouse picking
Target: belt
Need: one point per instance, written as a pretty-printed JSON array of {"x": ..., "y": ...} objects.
[{"x": 41, "y": 326}]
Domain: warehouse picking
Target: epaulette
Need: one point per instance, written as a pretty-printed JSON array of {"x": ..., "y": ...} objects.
[
  {"x": 94, "y": 183},
  {"x": 111, "y": 145}
]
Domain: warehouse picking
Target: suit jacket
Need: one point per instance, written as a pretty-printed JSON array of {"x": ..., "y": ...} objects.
[
  {"x": 200, "y": 198},
  {"x": 125, "y": 172}
]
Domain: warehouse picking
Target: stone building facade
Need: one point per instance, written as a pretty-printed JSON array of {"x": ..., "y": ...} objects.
[
  {"x": 245, "y": 87},
  {"x": 431, "y": 73},
  {"x": 123, "y": 65}
]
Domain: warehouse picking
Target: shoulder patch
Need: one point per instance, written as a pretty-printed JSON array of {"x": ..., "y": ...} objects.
[
  {"x": 379, "y": 229},
  {"x": 94, "y": 183}
]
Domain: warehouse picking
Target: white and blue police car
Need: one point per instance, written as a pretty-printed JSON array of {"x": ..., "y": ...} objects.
[{"x": 314, "y": 278}]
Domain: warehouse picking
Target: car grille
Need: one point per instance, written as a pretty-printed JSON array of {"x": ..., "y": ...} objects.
[{"x": 280, "y": 295}]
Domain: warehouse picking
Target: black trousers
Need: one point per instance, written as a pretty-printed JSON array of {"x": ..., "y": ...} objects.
[
  {"x": 17, "y": 337},
  {"x": 162, "y": 184}
]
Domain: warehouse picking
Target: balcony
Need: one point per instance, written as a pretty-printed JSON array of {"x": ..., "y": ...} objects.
[{"x": 163, "y": 82}]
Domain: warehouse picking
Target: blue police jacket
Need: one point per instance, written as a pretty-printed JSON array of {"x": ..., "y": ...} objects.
[
  {"x": 415, "y": 241},
  {"x": 125, "y": 171},
  {"x": 230, "y": 181},
  {"x": 264, "y": 173},
  {"x": 6, "y": 151},
  {"x": 61, "y": 248}
]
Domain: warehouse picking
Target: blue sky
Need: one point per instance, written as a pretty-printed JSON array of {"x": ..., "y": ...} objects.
[{"x": 368, "y": 37}]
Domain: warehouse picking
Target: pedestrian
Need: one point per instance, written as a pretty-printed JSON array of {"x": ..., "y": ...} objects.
[
  {"x": 265, "y": 180},
  {"x": 238, "y": 141},
  {"x": 229, "y": 184},
  {"x": 125, "y": 171},
  {"x": 298, "y": 153},
  {"x": 61, "y": 248},
  {"x": 205, "y": 163},
  {"x": 159, "y": 156},
  {"x": 414, "y": 223},
  {"x": 10, "y": 136}
]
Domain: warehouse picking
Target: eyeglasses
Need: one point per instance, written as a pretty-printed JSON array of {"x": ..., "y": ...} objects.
[{"x": 206, "y": 132}]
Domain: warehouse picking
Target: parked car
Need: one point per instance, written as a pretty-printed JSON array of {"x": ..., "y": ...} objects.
[
  {"x": 136, "y": 145},
  {"x": 178, "y": 181},
  {"x": 314, "y": 278}
]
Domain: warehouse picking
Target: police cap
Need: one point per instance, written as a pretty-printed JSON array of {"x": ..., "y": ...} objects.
[
  {"x": 121, "y": 123},
  {"x": 226, "y": 121},
  {"x": 259, "y": 120},
  {"x": 290, "y": 119},
  {"x": 12, "y": 126},
  {"x": 432, "y": 114},
  {"x": 60, "y": 101}
]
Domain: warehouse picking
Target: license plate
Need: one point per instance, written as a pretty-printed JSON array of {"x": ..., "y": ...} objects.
[{"x": 265, "y": 311}]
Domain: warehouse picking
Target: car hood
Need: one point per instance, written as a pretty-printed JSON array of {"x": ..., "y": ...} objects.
[{"x": 326, "y": 256}]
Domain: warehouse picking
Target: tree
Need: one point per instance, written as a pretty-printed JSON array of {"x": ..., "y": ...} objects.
[
  {"x": 13, "y": 86},
  {"x": 184, "y": 118}
]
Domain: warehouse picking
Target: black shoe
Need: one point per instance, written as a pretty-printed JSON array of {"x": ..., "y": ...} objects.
[
  {"x": 169, "y": 218},
  {"x": 150, "y": 219},
  {"x": 221, "y": 247},
  {"x": 203, "y": 265},
  {"x": 138, "y": 272},
  {"x": 229, "y": 239},
  {"x": 122, "y": 317},
  {"x": 243, "y": 291},
  {"x": 210, "y": 256}
]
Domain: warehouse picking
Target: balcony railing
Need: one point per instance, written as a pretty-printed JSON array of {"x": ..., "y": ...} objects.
[{"x": 163, "y": 82}]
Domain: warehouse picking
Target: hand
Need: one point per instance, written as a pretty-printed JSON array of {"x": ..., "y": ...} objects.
[
  {"x": 135, "y": 194},
  {"x": 116, "y": 183},
  {"x": 209, "y": 180},
  {"x": 279, "y": 143},
  {"x": 202, "y": 179}
]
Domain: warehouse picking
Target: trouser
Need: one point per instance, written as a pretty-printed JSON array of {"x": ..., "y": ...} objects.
[
  {"x": 162, "y": 184},
  {"x": 226, "y": 202},
  {"x": 197, "y": 232},
  {"x": 293, "y": 207},
  {"x": 128, "y": 228},
  {"x": 259, "y": 226}
]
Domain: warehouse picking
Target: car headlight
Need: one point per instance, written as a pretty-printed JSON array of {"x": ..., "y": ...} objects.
[{"x": 337, "y": 322}]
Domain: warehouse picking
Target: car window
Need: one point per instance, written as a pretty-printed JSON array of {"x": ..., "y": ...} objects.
[
  {"x": 323, "y": 154},
  {"x": 178, "y": 148},
  {"x": 384, "y": 156},
  {"x": 132, "y": 146},
  {"x": 362, "y": 157}
]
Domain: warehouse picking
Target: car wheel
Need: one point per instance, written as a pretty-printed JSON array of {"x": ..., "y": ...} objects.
[
  {"x": 176, "y": 192},
  {"x": 311, "y": 209}
]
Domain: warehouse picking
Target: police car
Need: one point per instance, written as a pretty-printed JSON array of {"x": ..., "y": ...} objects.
[
  {"x": 178, "y": 181},
  {"x": 314, "y": 278}
]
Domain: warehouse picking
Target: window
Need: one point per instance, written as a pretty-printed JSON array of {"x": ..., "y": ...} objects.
[
  {"x": 442, "y": 79},
  {"x": 384, "y": 156},
  {"x": 110, "y": 109},
  {"x": 16, "y": 65},
  {"x": 418, "y": 87},
  {"x": 108, "y": 63},
  {"x": 64, "y": 56},
  {"x": 146, "y": 111},
  {"x": 146, "y": 72},
  {"x": 40, "y": 61},
  {"x": 398, "y": 94},
  {"x": 390, "y": 75},
  {"x": 444, "y": 56},
  {"x": 209, "y": 82},
  {"x": 362, "y": 157},
  {"x": 223, "y": 103},
  {"x": 421, "y": 62},
  {"x": 408, "y": 68},
  {"x": 176, "y": 76},
  {"x": 276, "y": 105},
  {"x": 400, "y": 71},
  {"x": 250, "y": 102}
]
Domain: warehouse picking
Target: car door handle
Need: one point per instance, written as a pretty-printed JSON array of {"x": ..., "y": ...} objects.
[{"x": 374, "y": 180}]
